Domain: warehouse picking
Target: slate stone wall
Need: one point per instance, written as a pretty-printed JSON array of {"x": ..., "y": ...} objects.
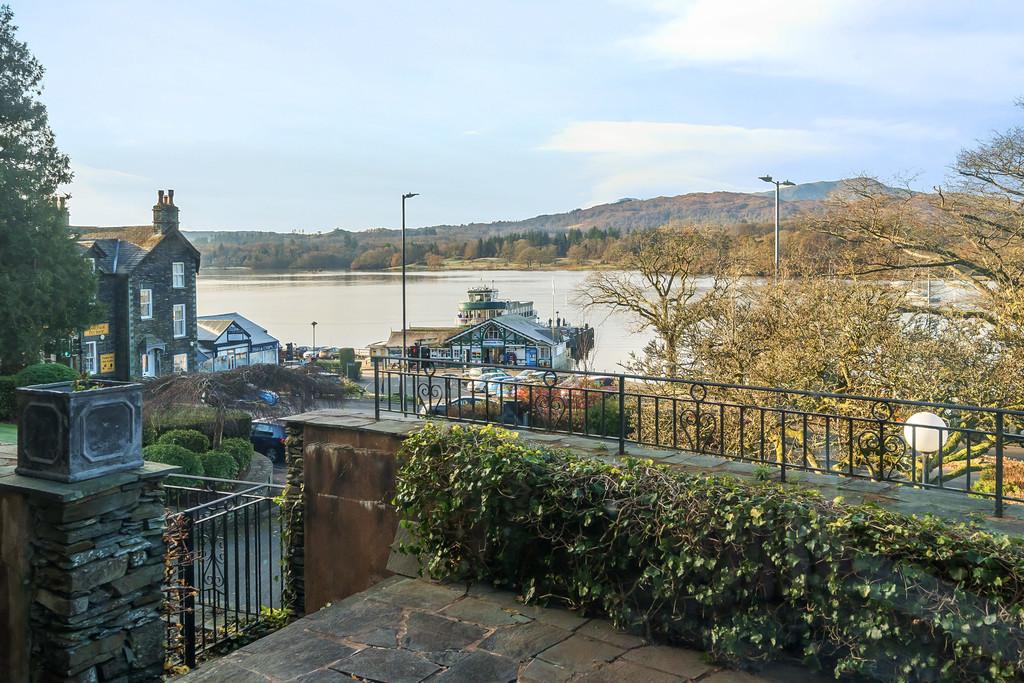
[
  {"x": 293, "y": 523},
  {"x": 94, "y": 579}
]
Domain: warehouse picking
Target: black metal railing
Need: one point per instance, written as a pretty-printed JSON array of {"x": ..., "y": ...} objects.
[
  {"x": 850, "y": 436},
  {"x": 226, "y": 558}
]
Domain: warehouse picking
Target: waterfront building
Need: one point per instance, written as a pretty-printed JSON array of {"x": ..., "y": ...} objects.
[
  {"x": 230, "y": 340},
  {"x": 146, "y": 283}
]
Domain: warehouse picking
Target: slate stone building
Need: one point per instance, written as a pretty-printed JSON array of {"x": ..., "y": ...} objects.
[{"x": 147, "y": 284}]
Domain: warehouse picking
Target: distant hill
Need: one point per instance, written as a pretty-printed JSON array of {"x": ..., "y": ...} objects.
[
  {"x": 746, "y": 212},
  {"x": 717, "y": 208}
]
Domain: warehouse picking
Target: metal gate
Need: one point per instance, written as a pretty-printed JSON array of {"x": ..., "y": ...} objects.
[{"x": 223, "y": 577}]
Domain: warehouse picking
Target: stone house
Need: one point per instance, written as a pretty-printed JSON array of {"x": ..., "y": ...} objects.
[{"x": 147, "y": 283}]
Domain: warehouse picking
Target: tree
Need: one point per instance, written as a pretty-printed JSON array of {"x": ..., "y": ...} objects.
[
  {"x": 971, "y": 232},
  {"x": 46, "y": 288},
  {"x": 658, "y": 286}
]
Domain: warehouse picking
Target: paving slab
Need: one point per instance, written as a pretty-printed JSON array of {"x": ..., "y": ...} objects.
[
  {"x": 416, "y": 631},
  {"x": 673, "y": 660},
  {"x": 387, "y": 665}
]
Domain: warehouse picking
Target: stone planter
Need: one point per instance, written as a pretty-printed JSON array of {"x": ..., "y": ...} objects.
[{"x": 70, "y": 435}]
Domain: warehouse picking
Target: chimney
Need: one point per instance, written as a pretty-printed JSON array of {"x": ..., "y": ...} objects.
[{"x": 165, "y": 213}]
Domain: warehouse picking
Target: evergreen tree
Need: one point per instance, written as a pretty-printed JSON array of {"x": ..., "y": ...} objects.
[{"x": 46, "y": 287}]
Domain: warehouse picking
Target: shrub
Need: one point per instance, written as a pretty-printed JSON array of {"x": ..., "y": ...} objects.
[
  {"x": 750, "y": 571},
  {"x": 239, "y": 449},
  {"x": 219, "y": 464},
  {"x": 171, "y": 454},
  {"x": 193, "y": 440},
  {"x": 149, "y": 434},
  {"x": 45, "y": 373},
  {"x": 1013, "y": 478},
  {"x": 237, "y": 423},
  {"x": 7, "y": 386}
]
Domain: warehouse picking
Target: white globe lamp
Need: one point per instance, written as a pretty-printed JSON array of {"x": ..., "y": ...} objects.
[{"x": 925, "y": 432}]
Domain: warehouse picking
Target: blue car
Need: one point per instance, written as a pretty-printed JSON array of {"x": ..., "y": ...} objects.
[{"x": 268, "y": 438}]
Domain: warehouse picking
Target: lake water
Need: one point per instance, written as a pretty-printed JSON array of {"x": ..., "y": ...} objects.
[{"x": 359, "y": 308}]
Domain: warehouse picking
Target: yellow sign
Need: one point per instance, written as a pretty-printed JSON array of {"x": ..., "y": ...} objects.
[
  {"x": 97, "y": 330},
  {"x": 106, "y": 362}
]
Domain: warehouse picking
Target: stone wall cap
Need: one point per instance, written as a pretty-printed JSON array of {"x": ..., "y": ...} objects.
[{"x": 66, "y": 493}]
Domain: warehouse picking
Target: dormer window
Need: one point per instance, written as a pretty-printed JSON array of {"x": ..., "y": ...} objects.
[
  {"x": 178, "y": 275},
  {"x": 146, "y": 304},
  {"x": 92, "y": 264}
]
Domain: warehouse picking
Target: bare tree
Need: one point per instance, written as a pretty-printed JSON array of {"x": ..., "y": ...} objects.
[
  {"x": 971, "y": 232},
  {"x": 661, "y": 289}
]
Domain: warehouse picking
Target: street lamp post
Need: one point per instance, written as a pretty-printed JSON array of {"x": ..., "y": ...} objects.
[
  {"x": 405, "y": 345},
  {"x": 314, "y": 341},
  {"x": 777, "y": 184}
]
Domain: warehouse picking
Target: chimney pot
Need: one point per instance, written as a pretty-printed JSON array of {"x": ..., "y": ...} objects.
[
  {"x": 170, "y": 196},
  {"x": 159, "y": 196}
]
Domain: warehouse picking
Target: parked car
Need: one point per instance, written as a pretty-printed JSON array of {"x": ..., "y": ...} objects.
[
  {"x": 480, "y": 384},
  {"x": 268, "y": 439},
  {"x": 455, "y": 406}
]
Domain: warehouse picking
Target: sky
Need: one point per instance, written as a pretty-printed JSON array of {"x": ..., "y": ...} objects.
[{"x": 314, "y": 115}]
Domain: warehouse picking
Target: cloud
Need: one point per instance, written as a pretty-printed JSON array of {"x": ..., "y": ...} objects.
[
  {"x": 937, "y": 50},
  {"x": 103, "y": 196},
  {"x": 641, "y": 158}
]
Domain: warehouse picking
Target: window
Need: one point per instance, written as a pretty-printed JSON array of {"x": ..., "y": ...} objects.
[
  {"x": 179, "y": 320},
  {"x": 92, "y": 263},
  {"x": 146, "y": 303},
  {"x": 89, "y": 358},
  {"x": 178, "y": 275},
  {"x": 181, "y": 362}
]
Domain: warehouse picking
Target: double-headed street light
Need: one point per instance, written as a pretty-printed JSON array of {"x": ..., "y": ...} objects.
[{"x": 777, "y": 184}]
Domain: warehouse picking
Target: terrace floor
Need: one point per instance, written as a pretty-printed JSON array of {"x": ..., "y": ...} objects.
[{"x": 406, "y": 630}]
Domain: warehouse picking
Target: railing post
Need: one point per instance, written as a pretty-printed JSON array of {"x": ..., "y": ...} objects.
[
  {"x": 188, "y": 614},
  {"x": 376, "y": 388},
  {"x": 999, "y": 464},
  {"x": 782, "y": 445},
  {"x": 622, "y": 414}
]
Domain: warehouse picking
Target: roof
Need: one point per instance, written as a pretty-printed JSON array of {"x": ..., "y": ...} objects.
[
  {"x": 210, "y": 330},
  {"x": 143, "y": 236},
  {"x": 520, "y": 325},
  {"x": 124, "y": 246},
  {"x": 431, "y": 335},
  {"x": 257, "y": 333}
]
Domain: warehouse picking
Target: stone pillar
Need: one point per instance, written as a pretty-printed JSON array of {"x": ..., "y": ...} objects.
[
  {"x": 86, "y": 591},
  {"x": 293, "y": 523}
]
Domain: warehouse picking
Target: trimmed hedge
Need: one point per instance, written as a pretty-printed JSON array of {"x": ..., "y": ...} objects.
[
  {"x": 219, "y": 464},
  {"x": 193, "y": 440},
  {"x": 749, "y": 571},
  {"x": 239, "y": 449},
  {"x": 8, "y": 383},
  {"x": 45, "y": 373},
  {"x": 237, "y": 423},
  {"x": 40, "y": 373},
  {"x": 171, "y": 454}
]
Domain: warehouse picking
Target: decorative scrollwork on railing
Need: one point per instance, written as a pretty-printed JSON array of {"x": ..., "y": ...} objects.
[
  {"x": 881, "y": 410},
  {"x": 550, "y": 409},
  {"x": 429, "y": 395},
  {"x": 699, "y": 429},
  {"x": 211, "y": 565},
  {"x": 698, "y": 392},
  {"x": 550, "y": 378},
  {"x": 880, "y": 453}
]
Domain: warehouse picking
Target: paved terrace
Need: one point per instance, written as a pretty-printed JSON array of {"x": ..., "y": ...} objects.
[{"x": 406, "y": 630}]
